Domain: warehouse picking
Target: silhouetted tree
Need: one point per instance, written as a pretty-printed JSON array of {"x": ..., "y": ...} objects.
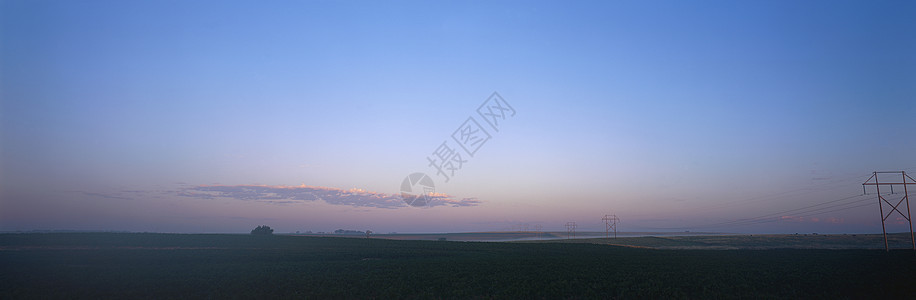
[{"x": 262, "y": 230}]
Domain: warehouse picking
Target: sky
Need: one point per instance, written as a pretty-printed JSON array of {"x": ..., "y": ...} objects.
[{"x": 218, "y": 116}]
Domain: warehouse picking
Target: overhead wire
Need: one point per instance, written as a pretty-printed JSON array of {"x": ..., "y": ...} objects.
[
  {"x": 812, "y": 212},
  {"x": 807, "y": 211},
  {"x": 804, "y": 190},
  {"x": 777, "y": 215}
]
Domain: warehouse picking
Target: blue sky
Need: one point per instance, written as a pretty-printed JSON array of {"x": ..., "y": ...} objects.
[{"x": 673, "y": 115}]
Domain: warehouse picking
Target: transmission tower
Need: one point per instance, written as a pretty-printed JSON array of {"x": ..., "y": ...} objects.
[
  {"x": 570, "y": 230},
  {"x": 537, "y": 229},
  {"x": 610, "y": 223},
  {"x": 905, "y": 180}
]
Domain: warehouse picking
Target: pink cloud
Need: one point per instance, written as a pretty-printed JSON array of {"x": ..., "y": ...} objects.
[
  {"x": 836, "y": 220},
  {"x": 282, "y": 194},
  {"x": 792, "y": 218}
]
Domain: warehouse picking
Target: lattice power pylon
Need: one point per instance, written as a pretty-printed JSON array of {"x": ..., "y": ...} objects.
[
  {"x": 610, "y": 223},
  {"x": 905, "y": 180},
  {"x": 570, "y": 230}
]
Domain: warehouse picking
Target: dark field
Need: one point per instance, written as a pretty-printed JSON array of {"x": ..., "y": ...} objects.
[
  {"x": 753, "y": 242},
  {"x": 113, "y": 265}
]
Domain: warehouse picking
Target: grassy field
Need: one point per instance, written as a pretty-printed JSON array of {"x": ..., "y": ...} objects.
[
  {"x": 503, "y": 236},
  {"x": 125, "y": 265},
  {"x": 754, "y": 242}
]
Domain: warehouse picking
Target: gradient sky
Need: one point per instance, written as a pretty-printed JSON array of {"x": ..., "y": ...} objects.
[{"x": 199, "y": 116}]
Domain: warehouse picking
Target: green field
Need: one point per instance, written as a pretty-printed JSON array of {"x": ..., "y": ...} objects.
[
  {"x": 138, "y": 265},
  {"x": 753, "y": 241}
]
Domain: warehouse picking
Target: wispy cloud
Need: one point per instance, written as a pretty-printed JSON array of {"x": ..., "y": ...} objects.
[
  {"x": 114, "y": 195},
  {"x": 281, "y": 194},
  {"x": 104, "y": 195}
]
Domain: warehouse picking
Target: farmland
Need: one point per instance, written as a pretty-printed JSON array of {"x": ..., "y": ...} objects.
[{"x": 147, "y": 265}]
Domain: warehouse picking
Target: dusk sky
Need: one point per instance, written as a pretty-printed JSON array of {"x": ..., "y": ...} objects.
[{"x": 199, "y": 116}]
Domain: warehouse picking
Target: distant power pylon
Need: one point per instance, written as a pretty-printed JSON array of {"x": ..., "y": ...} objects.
[
  {"x": 537, "y": 229},
  {"x": 906, "y": 180},
  {"x": 610, "y": 223},
  {"x": 570, "y": 230}
]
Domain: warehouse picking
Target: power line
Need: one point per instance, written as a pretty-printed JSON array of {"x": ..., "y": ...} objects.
[
  {"x": 814, "y": 209},
  {"x": 840, "y": 209},
  {"x": 803, "y": 190},
  {"x": 772, "y": 219},
  {"x": 818, "y": 209},
  {"x": 807, "y": 214},
  {"x": 806, "y": 209},
  {"x": 811, "y": 210}
]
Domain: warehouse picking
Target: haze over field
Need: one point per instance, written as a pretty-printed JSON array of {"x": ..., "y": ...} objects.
[{"x": 215, "y": 116}]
